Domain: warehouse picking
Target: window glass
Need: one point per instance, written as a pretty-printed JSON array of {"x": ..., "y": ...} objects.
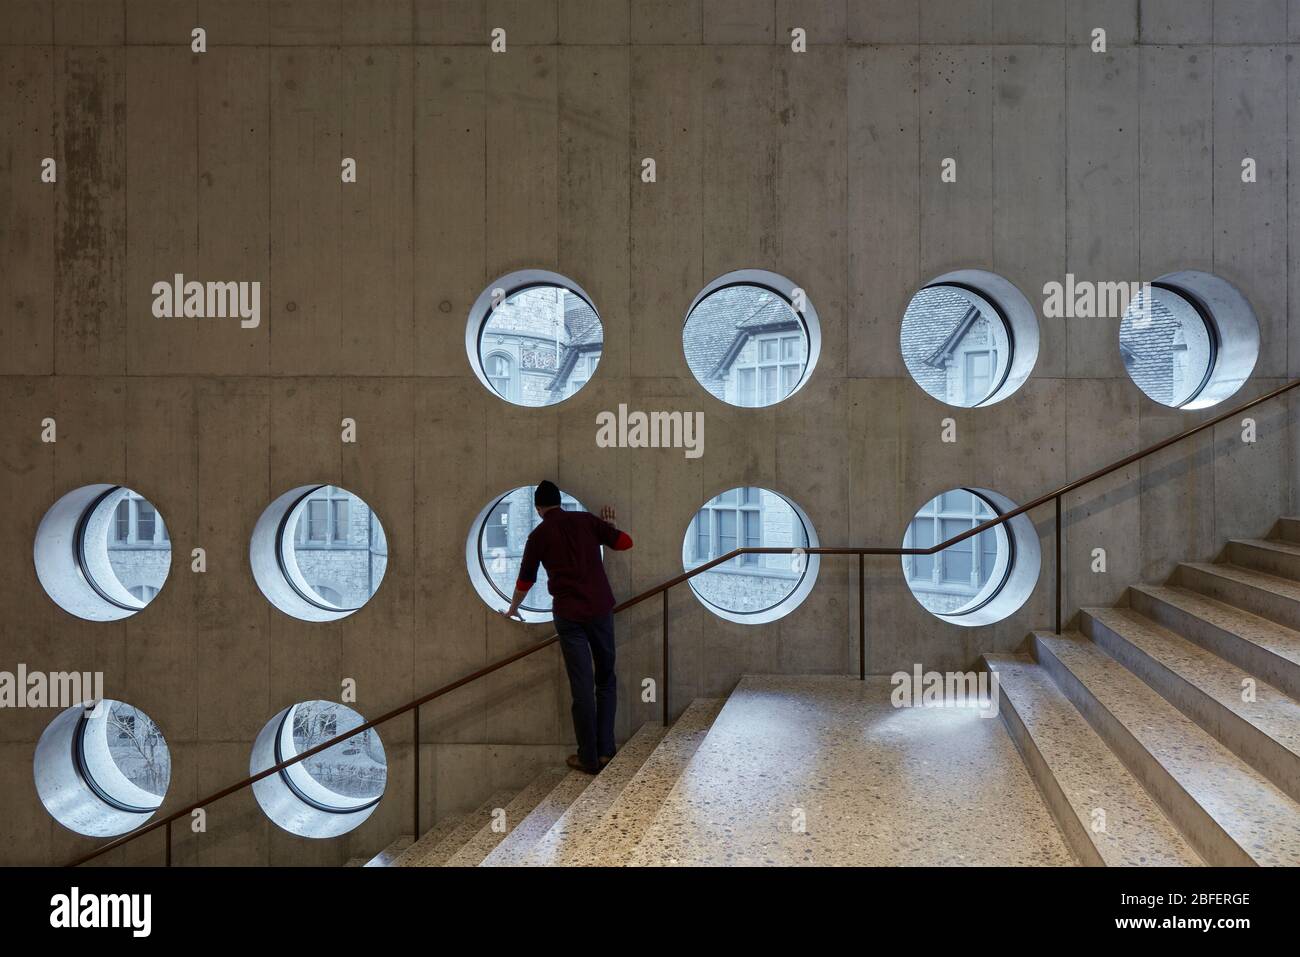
[
  {"x": 137, "y": 749},
  {"x": 1167, "y": 347},
  {"x": 959, "y": 578},
  {"x": 123, "y": 551},
  {"x": 334, "y": 550},
  {"x": 746, "y": 344},
  {"x": 955, "y": 345},
  {"x": 540, "y": 344},
  {"x": 353, "y": 769},
  {"x": 747, "y": 583}
]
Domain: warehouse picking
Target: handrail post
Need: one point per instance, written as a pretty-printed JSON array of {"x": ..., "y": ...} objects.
[
  {"x": 169, "y": 844},
  {"x": 415, "y": 712},
  {"x": 862, "y": 617},
  {"x": 1058, "y": 564},
  {"x": 663, "y": 692}
]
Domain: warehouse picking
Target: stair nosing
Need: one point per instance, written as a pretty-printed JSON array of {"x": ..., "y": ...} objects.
[
  {"x": 1091, "y": 751},
  {"x": 462, "y": 833},
  {"x": 1249, "y": 577},
  {"x": 1229, "y": 816},
  {"x": 610, "y": 842},
  {"x": 1269, "y": 698},
  {"x": 520, "y": 806},
  {"x": 551, "y": 845},
  {"x": 515, "y": 847}
]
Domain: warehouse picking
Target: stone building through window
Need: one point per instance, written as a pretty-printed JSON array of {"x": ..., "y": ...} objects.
[
  {"x": 339, "y": 547},
  {"x": 746, "y": 345},
  {"x": 540, "y": 345},
  {"x": 746, "y": 517}
]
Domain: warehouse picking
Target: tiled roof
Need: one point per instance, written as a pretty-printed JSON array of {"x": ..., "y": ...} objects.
[
  {"x": 931, "y": 318},
  {"x": 581, "y": 324},
  {"x": 719, "y": 321},
  {"x": 1147, "y": 347}
]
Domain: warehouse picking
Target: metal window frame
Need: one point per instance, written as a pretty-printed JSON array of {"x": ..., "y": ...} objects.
[
  {"x": 289, "y": 513},
  {"x": 82, "y": 767},
  {"x": 293, "y": 787}
]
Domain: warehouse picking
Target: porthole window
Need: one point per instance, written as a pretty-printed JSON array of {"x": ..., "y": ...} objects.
[
  {"x": 102, "y": 769},
  {"x": 495, "y": 549},
  {"x": 969, "y": 338},
  {"x": 752, "y": 338},
  {"x": 982, "y": 579},
  {"x": 319, "y": 552},
  {"x": 102, "y": 552},
  {"x": 331, "y": 792},
  {"x": 751, "y": 589},
  {"x": 534, "y": 338},
  {"x": 1189, "y": 340}
]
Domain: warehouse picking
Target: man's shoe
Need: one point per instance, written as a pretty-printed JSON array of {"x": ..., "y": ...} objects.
[
  {"x": 574, "y": 762},
  {"x": 605, "y": 759}
]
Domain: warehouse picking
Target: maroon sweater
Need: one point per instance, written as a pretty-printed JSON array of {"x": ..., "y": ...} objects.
[{"x": 568, "y": 544}]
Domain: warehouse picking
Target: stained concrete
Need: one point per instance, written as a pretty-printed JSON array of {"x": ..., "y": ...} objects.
[{"x": 821, "y": 166}]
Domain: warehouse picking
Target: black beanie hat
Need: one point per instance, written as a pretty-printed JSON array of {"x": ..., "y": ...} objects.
[{"x": 547, "y": 494}]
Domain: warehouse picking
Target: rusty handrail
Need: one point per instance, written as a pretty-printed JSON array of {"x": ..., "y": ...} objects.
[{"x": 665, "y": 586}]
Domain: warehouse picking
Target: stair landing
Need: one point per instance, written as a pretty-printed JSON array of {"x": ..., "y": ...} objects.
[{"x": 872, "y": 785}]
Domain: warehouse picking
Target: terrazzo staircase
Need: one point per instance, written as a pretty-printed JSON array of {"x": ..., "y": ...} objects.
[
  {"x": 1167, "y": 731},
  {"x": 564, "y": 817}
]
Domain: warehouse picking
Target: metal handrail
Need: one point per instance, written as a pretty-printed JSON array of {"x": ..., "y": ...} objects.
[{"x": 663, "y": 588}]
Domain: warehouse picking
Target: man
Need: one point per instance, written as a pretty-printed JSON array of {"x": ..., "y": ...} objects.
[{"x": 567, "y": 545}]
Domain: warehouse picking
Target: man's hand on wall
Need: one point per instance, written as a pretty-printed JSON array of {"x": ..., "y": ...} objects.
[{"x": 609, "y": 515}]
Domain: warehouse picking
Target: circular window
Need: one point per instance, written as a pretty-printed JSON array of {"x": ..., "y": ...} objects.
[
  {"x": 102, "y": 768},
  {"x": 751, "y": 338},
  {"x": 534, "y": 338},
  {"x": 969, "y": 338},
  {"x": 982, "y": 579},
  {"x": 318, "y": 553},
  {"x": 495, "y": 548},
  {"x": 1189, "y": 340},
  {"x": 102, "y": 552},
  {"x": 331, "y": 792},
  {"x": 752, "y": 589}
]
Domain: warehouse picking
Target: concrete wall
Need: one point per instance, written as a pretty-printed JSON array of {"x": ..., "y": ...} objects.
[{"x": 823, "y": 167}]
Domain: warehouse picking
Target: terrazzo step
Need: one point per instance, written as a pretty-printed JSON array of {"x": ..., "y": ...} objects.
[
  {"x": 520, "y": 806},
  {"x": 1262, "y": 647},
  {"x": 1229, "y": 812},
  {"x": 389, "y": 854},
  {"x": 1264, "y": 732},
  {"x": 1287, "y": 529},
  {"x": 1103, "y": 812},
  {"x": 1266, "y": 555},
  {"x": 516, "y": 845},
  {"x": 596, "y": 799},
  {"x": 827, "y": 770},
  {"x": 355, "y": 862},
  {"x": 610, "y": 843},
  {"x": 428, "y": 840},
  {"x": 462, "y": 833},
  {"x": 1271, "y": 597}
]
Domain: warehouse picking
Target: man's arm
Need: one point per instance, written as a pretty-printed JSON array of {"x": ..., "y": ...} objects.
[
  {"x": 515, "y": 602},
  {"x": 527, "y": 577},
  {"x": 608, "y": 535}
]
